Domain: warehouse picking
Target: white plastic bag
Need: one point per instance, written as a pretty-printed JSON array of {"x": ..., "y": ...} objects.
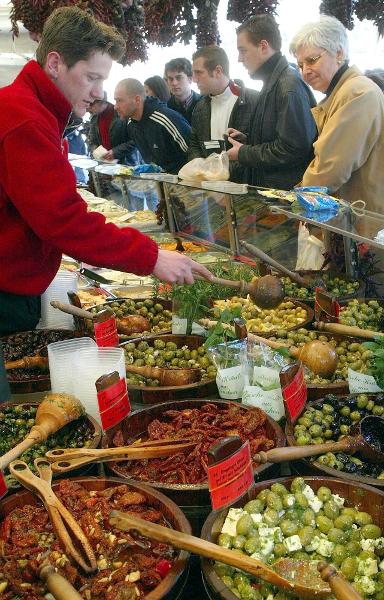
[
  {"x": 310, "y": 251},
  {"x": 213, "y": 168}
]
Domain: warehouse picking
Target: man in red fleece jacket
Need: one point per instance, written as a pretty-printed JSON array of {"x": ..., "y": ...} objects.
[{"x": 41, "y": 214}]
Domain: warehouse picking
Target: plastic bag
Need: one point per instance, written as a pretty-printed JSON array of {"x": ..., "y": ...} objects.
[
  {"x": 229, "y": 360},
  {"x": 310, "y": 251},
  {"x": 316, "y": 198},
  {"x": 213, "y": 168}
]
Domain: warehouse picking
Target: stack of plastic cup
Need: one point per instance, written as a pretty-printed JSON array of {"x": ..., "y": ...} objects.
[
  {"x": 61, "y": 357},
  {"x": 89, "y": 364},
  {"x": 52, "y": 318}
]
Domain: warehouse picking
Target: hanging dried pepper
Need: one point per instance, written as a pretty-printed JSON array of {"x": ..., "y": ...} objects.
[
  {"x": 341, "y": 9},
  {"x": 136, "y": 48},
  {"x": 207, "y": 28},
  {"x": 373, "y": 10},
  {"x": 168, "y": 22},
  {"x": 241, "y": 10}
]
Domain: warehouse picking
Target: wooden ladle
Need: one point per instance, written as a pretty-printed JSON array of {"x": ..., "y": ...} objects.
[
  {"x": 28, "y": 362},
  {"x": 57, "y": 585},
  {"x": 55, "y": 411},
  {"x": 368, "y": 439},
  {"x": 320, "y": 357},
  {"x": 127, "y": 325},
  {"x": 66, "y": 459},
  {"x": 316, "y": 589},
  {"x": 266, "y": 292},
  {"x": 70, "y": 534},
  {"x": 167, "y": 377}
]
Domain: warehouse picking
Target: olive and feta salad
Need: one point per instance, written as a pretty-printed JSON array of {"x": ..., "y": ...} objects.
[{"x": 302, "y": 524}]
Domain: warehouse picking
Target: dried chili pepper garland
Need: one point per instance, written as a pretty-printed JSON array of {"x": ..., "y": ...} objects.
[
  {"x": 239, "y": 10},
  {"x": 207, "y": 27},
  {"x": 372, "y": 10},
  {"x": 136, "y": 48},
  {"x": 168, "y": 22},
  {"x": 341, "y": 9}
]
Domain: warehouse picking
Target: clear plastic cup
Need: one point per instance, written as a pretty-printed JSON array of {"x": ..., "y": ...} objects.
[
  {"x": 61, "y": 361},
  {"x": 52, "y": 318}
]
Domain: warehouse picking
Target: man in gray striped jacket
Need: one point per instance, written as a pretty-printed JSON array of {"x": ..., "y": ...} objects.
[{"x": 160, "y": 133}]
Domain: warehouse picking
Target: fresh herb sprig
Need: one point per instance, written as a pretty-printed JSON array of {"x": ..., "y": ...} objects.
[{"x": 377, "y": 347}]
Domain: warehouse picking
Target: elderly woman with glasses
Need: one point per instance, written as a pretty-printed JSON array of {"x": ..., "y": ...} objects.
[{"x": 349, "y": 151}]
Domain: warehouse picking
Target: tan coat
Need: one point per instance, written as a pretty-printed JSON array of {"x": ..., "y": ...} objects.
[{"x": 349, "y": 152}]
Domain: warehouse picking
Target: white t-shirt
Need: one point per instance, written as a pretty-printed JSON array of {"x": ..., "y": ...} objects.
[{"x": 221, "y": 108}]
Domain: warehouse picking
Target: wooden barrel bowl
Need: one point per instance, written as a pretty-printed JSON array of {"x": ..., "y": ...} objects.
[
  {"x": 34, "y": 381},
  {"x": 154, "y": 395},
  {"x": 363, "y": 496},
  {"x": 172, "y": 585},
  {"x": 93, "y": 425},
  {"x": 308, "y": 467},
  {"x": 194, "y": 499}
]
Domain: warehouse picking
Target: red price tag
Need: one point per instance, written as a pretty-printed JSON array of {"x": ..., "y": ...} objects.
[
  {"x": 114, "y": 404},
  {"x": 295, "y": 395},
  {"x": 3, "y": 485},
  {"x": 106, "y": 333},
  {"x": 231, "y": 478}
]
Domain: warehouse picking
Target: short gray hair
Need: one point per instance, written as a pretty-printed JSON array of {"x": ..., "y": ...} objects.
[
  {"x": 327, "y": 33},
  {"x": 132, "y": 87}
]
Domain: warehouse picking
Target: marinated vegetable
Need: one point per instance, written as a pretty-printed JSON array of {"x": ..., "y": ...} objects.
[
  {"x": 160, "y": 353},
  {"x": 366, "y": 315},
  {"x": 205, "y": 426},
  {"x": 332, "y": 419},
  {"x": 336, "y": 286},
  {"x": 154, "y": 311},
  {"x": 129, "y": 566},
  {"x": 301, "y": 524}
]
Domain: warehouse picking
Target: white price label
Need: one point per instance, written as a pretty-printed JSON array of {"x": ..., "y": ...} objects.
[
  {"x": 361, "y": 383},
  {"x": 230, "y": 382},
  {"x": 179, "y": 325},
  {"x": 266, "y": 378},
  {"x": 198, "y": 329},
  {"x": 270, "y": 401}
]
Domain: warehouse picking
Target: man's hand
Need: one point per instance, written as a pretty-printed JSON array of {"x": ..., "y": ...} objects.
[
  {"x": 109, "y": 155},
  {"x": 237, "y": 135},
  {"x": 233, "y": 153},
  {"x": 176, "y": 268}
]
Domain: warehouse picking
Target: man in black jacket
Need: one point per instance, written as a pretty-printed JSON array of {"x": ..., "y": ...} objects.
[
  {"x": 178, "y": 75},
  {"x": 161, "y": 134},
  {"x": 224, "y": 104},
  {"x": 278, "y": 147}
]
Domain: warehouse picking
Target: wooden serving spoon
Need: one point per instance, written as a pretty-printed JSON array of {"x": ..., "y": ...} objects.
[
  {"x": 57, "y": 585},
  {"x": 68, "y": 459},
  {"x": 127, "y": 325},
  {"x": 348, "y": 330},
  {"x": 320, "y": 357},
  {"x": 266, "y": 292},
  {"x": 28, "y": 362},
  {"x": 315, "y": 589},
  {"x": 70, "y": 534},
  {"x": 55, "y": 411},
  {"x": 167, "y": 377}
]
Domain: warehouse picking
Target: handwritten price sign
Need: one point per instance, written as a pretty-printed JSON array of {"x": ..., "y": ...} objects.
[{"x": 231, "y": 478}]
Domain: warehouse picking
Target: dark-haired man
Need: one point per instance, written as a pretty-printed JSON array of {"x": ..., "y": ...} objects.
[
  {"x": 41, "y": 213},
  {"x": 178, "y": 75},
  {"x": 224, "y": 104},
  {"x": 278, "y": 147}
]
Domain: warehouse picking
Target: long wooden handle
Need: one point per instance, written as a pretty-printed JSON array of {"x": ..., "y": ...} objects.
[
  {"x": 14, "y": 453},
  {"x": 340, "y": 587},
  {"x": 145, "y": 371},
  {"x": 267, "y": 342},
  {"x": 271, "y": 261},
  {"x": 28, "y": 362},
  {"x": 277, "y": 455},
  {"x": 58, "y": 585},
  {"x": 72, "y": 310},
  {"x": 347, "y": 330}
]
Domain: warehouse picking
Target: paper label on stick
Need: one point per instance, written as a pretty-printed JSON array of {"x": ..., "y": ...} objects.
[
  {"x": 229, "y": 479},
  {"x": 266, "y": 377},
  {"x": 270, "y": 401},
  {"x": 3, "y": 485},
  {"x": 106, "y": 333},
  {"x": 179, "y": 325},
  {"x": 361, "y": 383},
  {"x": 114, "y": 404},
  {"x": 295, "y": 395},
  {"x": 230, "y": 382}
]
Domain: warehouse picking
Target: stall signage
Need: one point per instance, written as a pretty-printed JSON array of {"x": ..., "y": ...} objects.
[
  {"x": 295, "y": 395},
  {"x": 106, "y": 333},
  {"x": 326, "y": 307},
  {"x": 3, "y": 485},
  {"x": 114, "y": 404},
  {"x": 360, "y": 383},
  {"x": 230, "y": 478}
]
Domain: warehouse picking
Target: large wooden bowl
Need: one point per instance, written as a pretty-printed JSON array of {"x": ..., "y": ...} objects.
[
  {"x": 173, "y": 583},
  {"x": 135, "y": 426},
  {"x": 93, "y": 426},
  {"x": 363, "y": 496},
  {"x": 308, "y": 467},
  {"x": 154, "y": 395},
  {"x": 34, "y": 380}
]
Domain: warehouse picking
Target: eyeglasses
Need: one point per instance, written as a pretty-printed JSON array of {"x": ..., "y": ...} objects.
[{"x": 310, "y": 61}]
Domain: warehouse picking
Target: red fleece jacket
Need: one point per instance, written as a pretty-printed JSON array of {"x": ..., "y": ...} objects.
[{"x": 41, "y": 214}]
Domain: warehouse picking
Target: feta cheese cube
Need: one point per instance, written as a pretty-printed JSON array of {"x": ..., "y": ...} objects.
[
  {"x": 308, "y": 492},
  {"x": 292, "y": 543},
  {"x": 290, "y": 499},
  {"x": 367, "y": 567},
  {"x": 367, "y": 584},
  {"x": 234, "y": 514},
  {"x": 315, "y": 504},
  {"x": 338, "y": 500},
  {"x": 379, "y": 543},
  {"x": 381, "y": 565},
  {"x": 257, "y": 518},
  {"x": 325, "y": 548},
  {"x": 266, "y": 547},
  {"x": 314, "y": 544},
  {"x": 368, "y": 545}
]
